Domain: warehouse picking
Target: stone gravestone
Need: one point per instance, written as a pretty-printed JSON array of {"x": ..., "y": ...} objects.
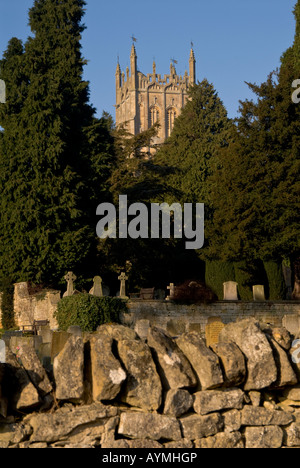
[
  {"x": 97, "y": 288},
  {"x": 123, "y": 278},
  {"x": 70, "y": 278},
  {"x": 259, "y": 293},
  {"x": 172, "y": 292},
  {"x": 230, "y": 291},
  {"x": 2, "y": 92},
  {"x": 2, "y": 352},
  {"x": 212, "y": 330}
]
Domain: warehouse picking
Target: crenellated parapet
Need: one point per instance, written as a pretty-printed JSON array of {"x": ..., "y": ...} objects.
[{"x": 142, "y": 100}]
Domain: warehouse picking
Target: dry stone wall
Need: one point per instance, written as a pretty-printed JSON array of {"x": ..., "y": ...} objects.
[{"x": 116, "y": 389}]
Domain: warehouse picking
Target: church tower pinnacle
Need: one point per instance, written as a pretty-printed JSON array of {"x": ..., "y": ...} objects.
[{"x": 192, "y": 63}]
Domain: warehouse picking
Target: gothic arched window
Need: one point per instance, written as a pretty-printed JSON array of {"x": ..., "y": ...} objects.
[
  {"x": 153, "y": 115},
  {"x": 171, "y": 116}
]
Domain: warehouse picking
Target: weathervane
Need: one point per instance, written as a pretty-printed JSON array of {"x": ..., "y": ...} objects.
[
  {"x": 134, "y": 39},
  {"x": 173, "y": 61}
]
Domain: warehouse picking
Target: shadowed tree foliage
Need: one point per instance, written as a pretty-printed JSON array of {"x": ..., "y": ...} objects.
[
  {"x": 255, "y": 189},
  {"x": 55, "y": 156}
]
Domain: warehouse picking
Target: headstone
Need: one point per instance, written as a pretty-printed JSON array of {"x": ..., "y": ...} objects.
[
  {"x": 212, "y": 330},
  {"x": 123, "y": 278},
  {"x": 2, "y": 92},
  {"x": 172, "y": 292},
  {"x": 141, "y": 328},
  {"x": 97, "y": 288},
  {"x": 230, "y": 291},
  {"x": 259, "y": 293},
  {"x": 2, "y": 352},
  {"x": 46, "y": 334},
  {"x": 70, "y": 278}
]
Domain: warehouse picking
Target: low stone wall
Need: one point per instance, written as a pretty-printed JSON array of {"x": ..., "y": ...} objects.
[
  {"x": 114, "y": 389},
  {"x": 39, "y": 306},
  {"x": 178, "y": 318},
  {"x": 173, "y": 317}
]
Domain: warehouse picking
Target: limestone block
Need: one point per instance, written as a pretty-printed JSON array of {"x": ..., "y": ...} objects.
[
  {"x": 286, "y": 375},
  {"x": 258, "y": 416},
  {"x": 230, "y": 440},
  {"x": 107, "y": 372},
  {"x": 143, "y": 387},
  {"x": 196, "y": 427},
  {"x": 247, "y": 335},
  {"x": 233, "y": 363},
  {"x": 263, "y": 437},
  {"x": 232, "y": 420},
  {"x": 152, "y": 425},
  {"x": 174, "y": 368},
  {"x": 178, "y": 402},
  {"x": 117, "y": 332},
  {"x": 292, "y": 435},
  {"x": 203, "y": 360},
  {"x": 68, "y": 370},
  {"x": 210, "y": 401},
  {"x": 292, "y": 393},
  {"x": 34, "y": 369},
  {"x": 52, "y": 427},
  {"x": 20, "y": 391}
]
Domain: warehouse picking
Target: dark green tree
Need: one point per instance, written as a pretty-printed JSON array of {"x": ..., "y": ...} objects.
[
  {"x": 52, "y": 152},
  {"x": 188, "y": 155},
  {"x": 255, "y": 190}
]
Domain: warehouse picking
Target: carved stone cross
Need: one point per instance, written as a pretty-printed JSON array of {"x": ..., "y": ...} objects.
[
  {"x": 70, "y": 278},
  {"x": 172, "y": 292},
  {"x": 123, "y": 278}
]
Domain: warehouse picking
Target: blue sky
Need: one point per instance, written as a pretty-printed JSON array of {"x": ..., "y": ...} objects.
[{"x": 234, "y": 40}]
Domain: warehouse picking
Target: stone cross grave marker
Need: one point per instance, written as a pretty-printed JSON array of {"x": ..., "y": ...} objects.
[
  {"x": 70, "y": 278},
  {"x": 172, "y": 292},
  {"x": 97, "y": 288},
  {"x": 123, "y": 278},
  {"x": 259, "y": 293},
  {"x": 230, "y": 291},
  {"x": 213, "y": 329}
]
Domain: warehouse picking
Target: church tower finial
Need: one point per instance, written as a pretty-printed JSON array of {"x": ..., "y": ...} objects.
[
  {"x": 118, "y": 75},
  {"x": 192, "y": 62}
]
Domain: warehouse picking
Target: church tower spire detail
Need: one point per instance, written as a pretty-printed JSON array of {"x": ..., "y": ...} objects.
[{"x": 192, "y": 62}]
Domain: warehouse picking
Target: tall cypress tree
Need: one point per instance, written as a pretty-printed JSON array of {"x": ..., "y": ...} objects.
[{"x": 49, "y": 133}]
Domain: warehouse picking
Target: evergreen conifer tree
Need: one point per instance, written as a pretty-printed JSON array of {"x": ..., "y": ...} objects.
[
  {"x": 256, "y": 188},
  {"x": 50, "y": 146},
  {"x": 188, "y": 155}
]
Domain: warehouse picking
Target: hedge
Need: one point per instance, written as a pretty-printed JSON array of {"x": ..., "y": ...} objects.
[{"x": 88, "y": 312}]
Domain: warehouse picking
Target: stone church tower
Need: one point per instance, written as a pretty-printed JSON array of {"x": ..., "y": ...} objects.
[{"x": 143, "y": 100}]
